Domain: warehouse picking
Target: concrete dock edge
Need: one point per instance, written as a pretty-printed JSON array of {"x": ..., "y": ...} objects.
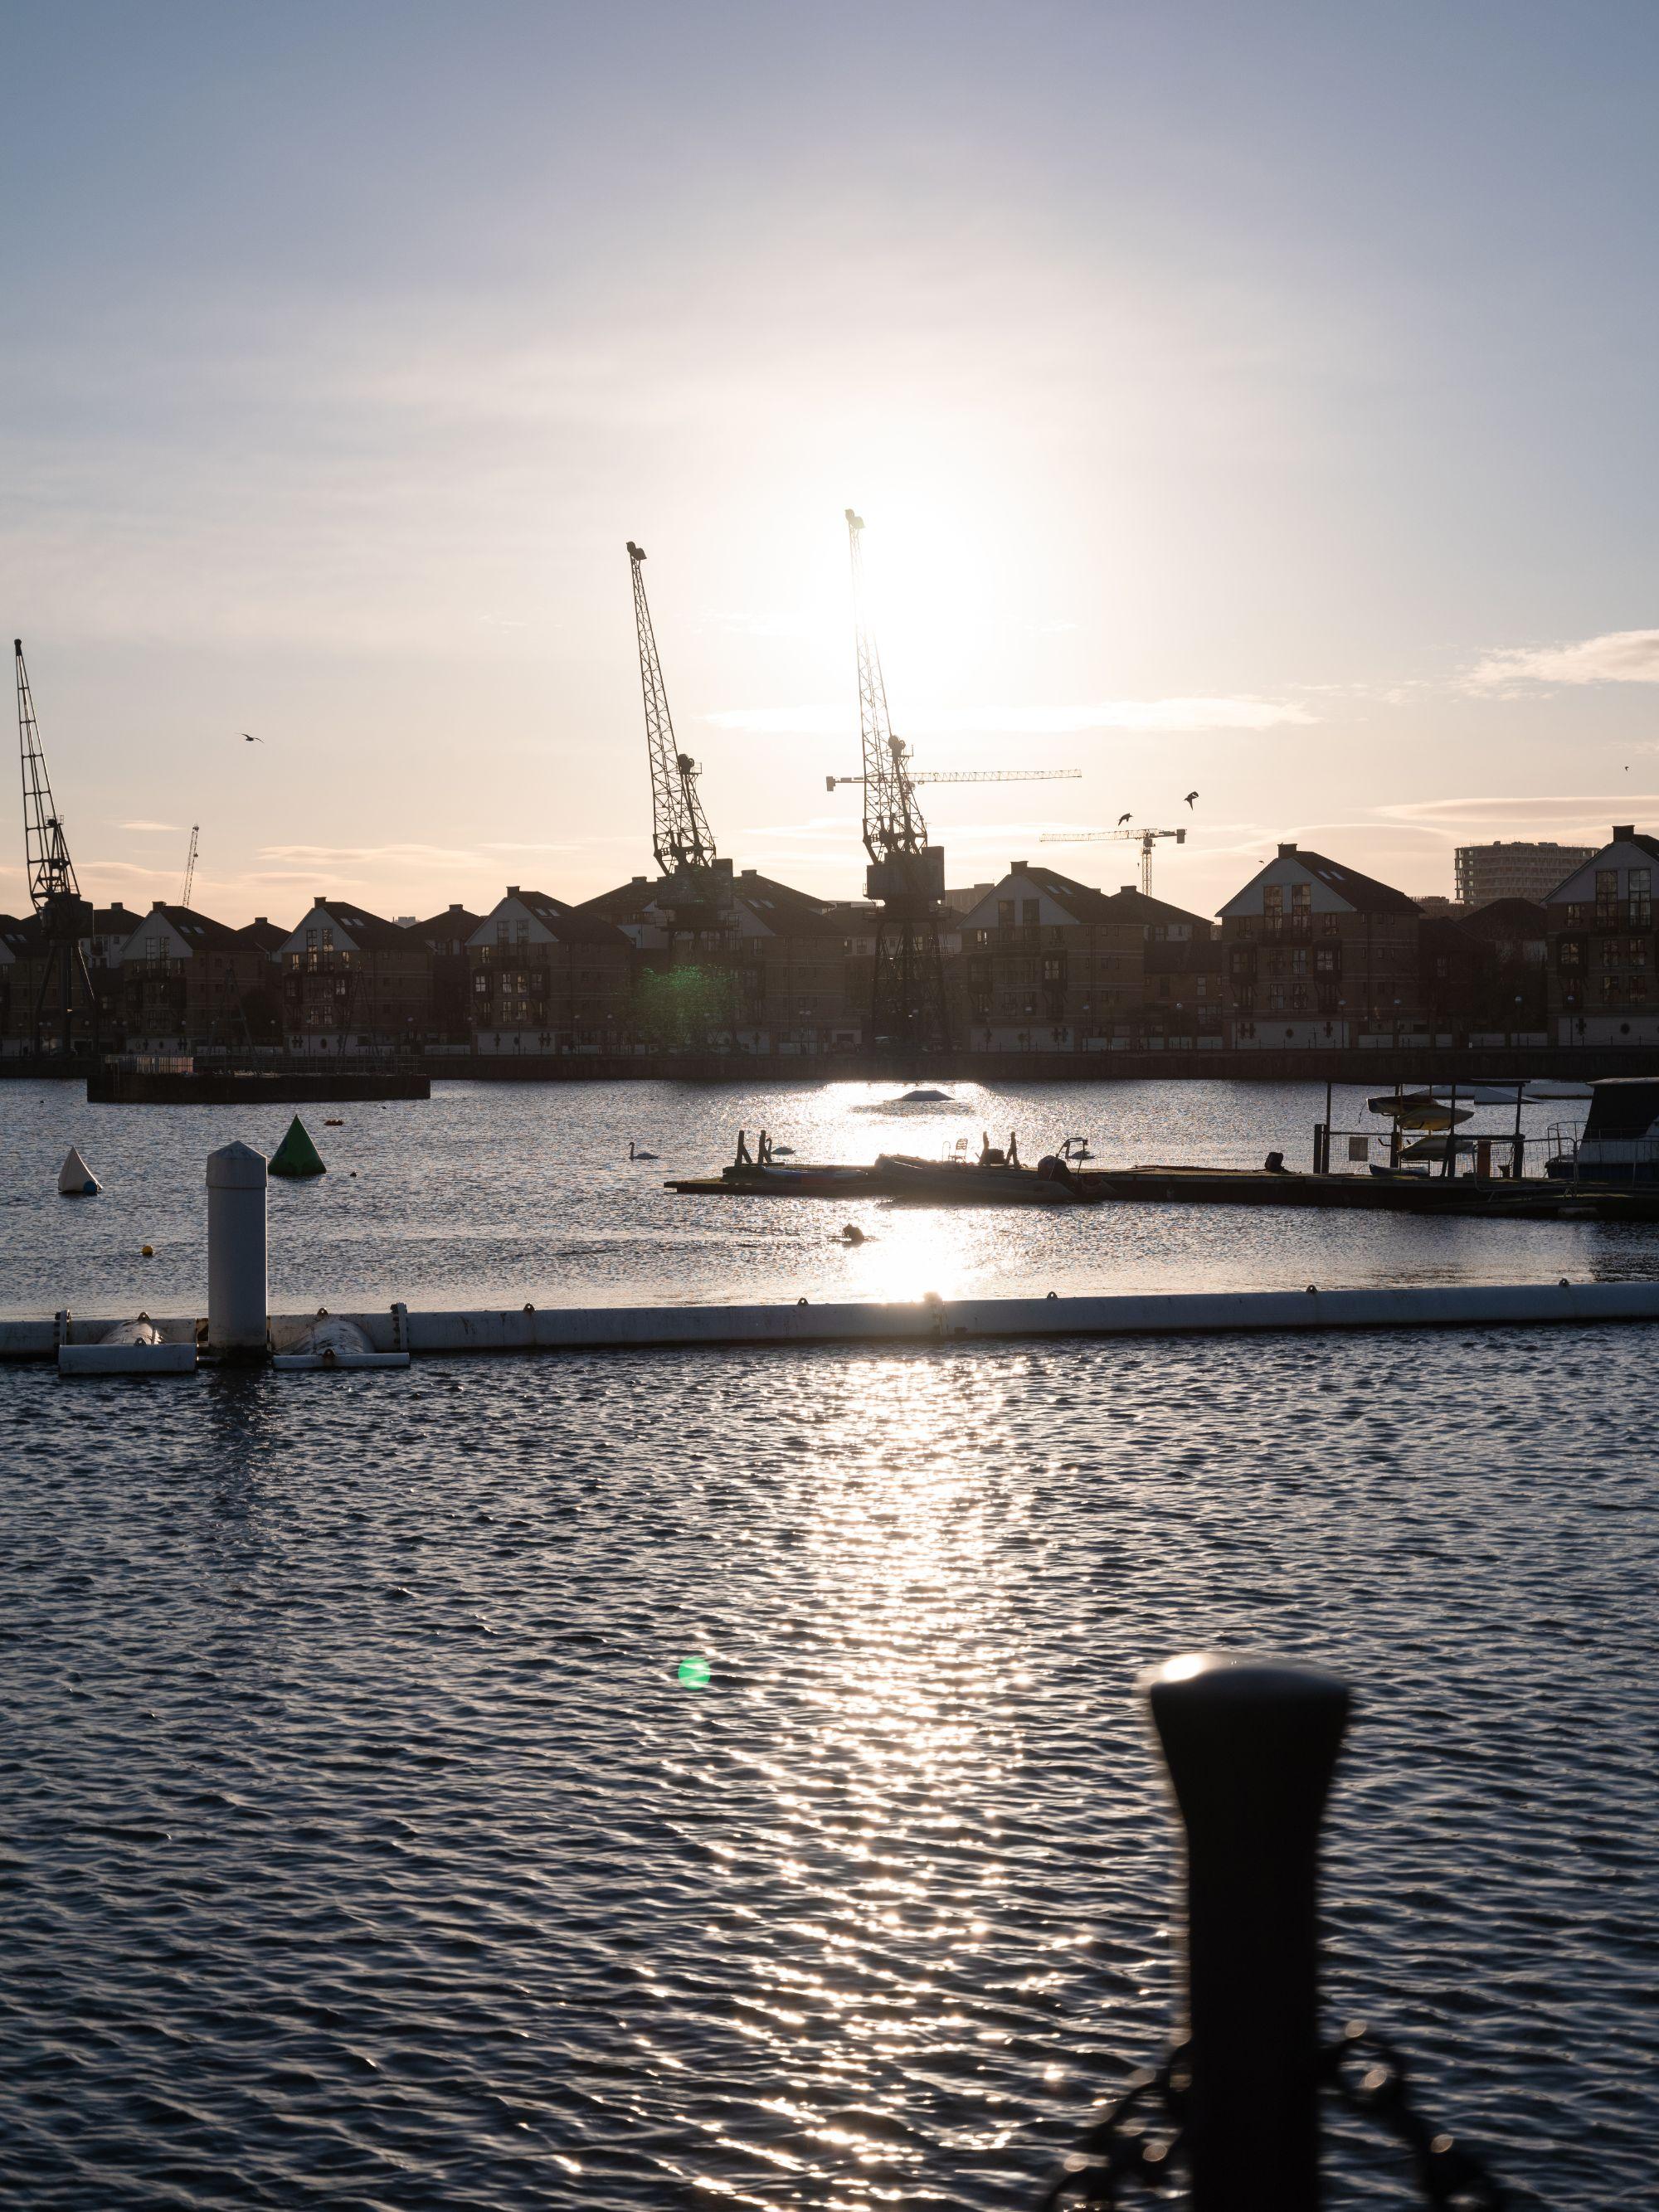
[{"x": 956, "y": 1320}]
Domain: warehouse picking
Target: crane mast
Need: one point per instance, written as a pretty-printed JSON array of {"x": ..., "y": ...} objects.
[
  {"x": 906, "y": 874},
  {"x": 65, "y": 917},
  {"x": 680, "y": 835},
  {"x": 51, "y": 871},
  {"x": 190, "y": 866},
  {"x": 893, "y": 822}
]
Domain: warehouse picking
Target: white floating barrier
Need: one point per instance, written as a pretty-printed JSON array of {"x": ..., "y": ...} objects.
[
  {"x": 336, "y": 1341},
  {"x": 75, "y": 1178},
  {"x": 389, "y": 1336},
  {"x": 237, "y": 1293},
  {"x": 128, "y": 1348}
]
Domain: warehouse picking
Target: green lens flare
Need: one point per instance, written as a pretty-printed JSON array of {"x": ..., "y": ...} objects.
[{"x": 694, "y": 1672}]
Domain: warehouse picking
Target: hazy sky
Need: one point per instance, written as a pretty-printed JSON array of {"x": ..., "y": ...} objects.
[{"x": 1258, "y": 398}]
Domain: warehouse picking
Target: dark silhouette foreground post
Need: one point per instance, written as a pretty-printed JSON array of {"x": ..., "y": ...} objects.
[{"x": 1250, "y": 1746}]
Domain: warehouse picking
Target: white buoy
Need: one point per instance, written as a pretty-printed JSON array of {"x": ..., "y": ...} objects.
[
  {"x": 75, "y": 1179},
  {"x": 238, "y": 1299}
]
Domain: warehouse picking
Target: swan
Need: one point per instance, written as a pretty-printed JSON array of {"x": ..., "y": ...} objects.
[{"x": 635, "y": 1154}]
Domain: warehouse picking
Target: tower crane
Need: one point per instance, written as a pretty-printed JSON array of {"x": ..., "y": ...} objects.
[
  {"x": 906, "y": 874},
  {"x": 969, "y": 775},
  {"x": 65, "y": 918},
  {"x": 1145, "y": 838},
  {"x": 190, "y": 866},
  {"x": 680, "y": 835}
]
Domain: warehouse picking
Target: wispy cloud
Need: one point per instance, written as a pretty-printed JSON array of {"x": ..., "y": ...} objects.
[
  {"x": 760, "y": 621},
  {"x": 1548, "y": 810},
  {"x": 1191, "y": 715},
  {"x": 1619, "y": 656},
  {"x": 441, "y": 856},
  {"x": 172, "y": 829}
]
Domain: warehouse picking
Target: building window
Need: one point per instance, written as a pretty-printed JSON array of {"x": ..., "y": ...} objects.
[
  {"x": 1030, "y": 912},
  {"x": 1606, "y": 893},
  {"x": 1301, "y": 898},
  {"x": 1273, "y": 898},
  {"x": 1641, "y": 897},
  {"x": 1004, "y": 913}
]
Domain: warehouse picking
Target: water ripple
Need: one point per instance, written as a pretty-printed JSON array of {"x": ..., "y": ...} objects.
[{"x": 371, "y": 1845}]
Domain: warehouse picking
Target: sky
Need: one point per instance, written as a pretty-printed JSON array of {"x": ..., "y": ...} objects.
[{"x": 1252, "y": 400}]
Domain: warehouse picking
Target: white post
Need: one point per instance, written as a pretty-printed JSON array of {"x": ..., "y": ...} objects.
[{"x": 237, "y": 1296}]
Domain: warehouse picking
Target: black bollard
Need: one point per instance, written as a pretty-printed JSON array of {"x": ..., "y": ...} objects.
[{"x": 1250, "y": 1745}]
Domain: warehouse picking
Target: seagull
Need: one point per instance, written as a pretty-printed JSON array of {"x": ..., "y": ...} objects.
[
  {"x": 1121, "y": 819},
  {"x": 1191, "y": 795},
  {"x": 252, "y": 739}
]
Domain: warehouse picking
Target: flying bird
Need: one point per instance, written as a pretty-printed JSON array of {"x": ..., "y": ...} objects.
[
  {"x": 252, "y": 739},
  {"x": 1191, "y": 795},
  {"x": 1121, "y": 819}
]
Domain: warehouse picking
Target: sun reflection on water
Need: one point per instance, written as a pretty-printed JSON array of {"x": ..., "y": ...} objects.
[{"x": 877, "y": 1793}]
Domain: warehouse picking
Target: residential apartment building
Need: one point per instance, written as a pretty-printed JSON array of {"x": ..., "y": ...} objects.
[
  {"x": 1049, "y": 964},
  {"x": 1485, "y": 976},
  {"x": 28, "y": 968},
  {"x": 449, "y": 1006},
  {"x": 780, "y": 975},
  {"x": 354, "y": 982},
  {"x": 1486, "y": 874},
  {"x": 1319, "y": 954},
  {"x": 190, "y": 984},
  {"x": 1601, "y": 968},
  {"x": 548, "y": 978}
]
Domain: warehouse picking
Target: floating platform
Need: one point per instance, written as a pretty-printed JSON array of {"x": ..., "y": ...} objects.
[
  {"x": 278, "y": 1086},
  {"x": 1482, "y": 1197},
  {"x": 397, "y": 1330}
]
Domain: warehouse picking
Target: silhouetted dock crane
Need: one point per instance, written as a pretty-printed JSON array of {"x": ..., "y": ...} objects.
[
  {"x": 1145, "y": 838},
  {"x": 906, "y": 874},
  {"x": 698, "y": 897},
  {"x": 190, "y": 866},
  {"x": 65, "y": 918}
]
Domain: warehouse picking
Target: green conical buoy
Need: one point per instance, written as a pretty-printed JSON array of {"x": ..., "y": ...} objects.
[{"x": 297, "y": 1155}]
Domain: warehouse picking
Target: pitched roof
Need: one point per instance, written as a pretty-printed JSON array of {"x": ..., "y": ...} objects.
[
  {"x": 1506, "y": 917},
  {"x": 568, "y": 924},
  {"x": 628, "y": 903},
  {"x": 444, "y": 928},
  {"x": 370, "y": 932},
  {"x": 199, "y": 931},
  {"x": 778, "y": 907},
  {"x": 784, "y": 910},
  {"x": 264, "y": 936},
  {"x": 1131, "y": 905},
  {"x": 1364, "y": 893},
  {"x": 1083, "y": 903}
]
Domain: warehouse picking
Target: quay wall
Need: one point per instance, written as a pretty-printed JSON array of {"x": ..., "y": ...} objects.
[{"x": 1410, "y": 1064}]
